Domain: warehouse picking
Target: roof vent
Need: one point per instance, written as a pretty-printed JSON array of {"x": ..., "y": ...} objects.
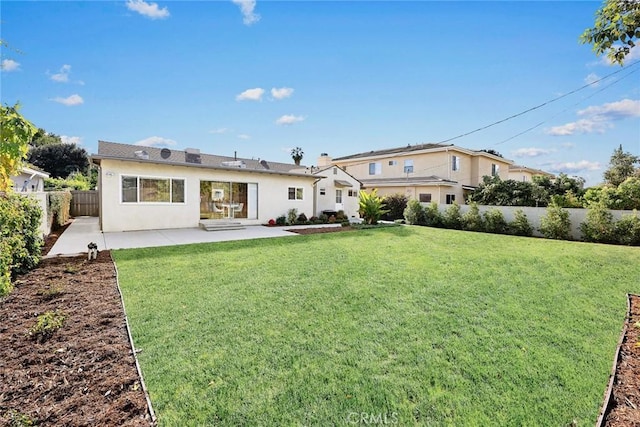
[
  {"x": 165, "y": 153},
  {"x": 235, "y": 164},
  {"x": 192, "y": 155},
  {"x": 141, "y": 154},
  {"x": 264, "y": 164}
]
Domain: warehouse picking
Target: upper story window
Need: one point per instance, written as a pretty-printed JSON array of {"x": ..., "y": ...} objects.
[
  {"x": 137, "y": 189},
  {"x": 455, "y": 163},
  {"x": 495, "y": 169},
  {"x": 335, "y": 171},
  {"x": 393, "y": 162},
  {"x": 450, "y": 199},
  {"x": 295, "y": 193},
  {"x": 375, "y": 168},
  {"x": 408, "y": 166}
]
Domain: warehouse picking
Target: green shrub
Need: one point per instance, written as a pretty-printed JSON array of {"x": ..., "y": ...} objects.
[
  {"x": 46, "y": 324},
  {"x": 323, "y": 219},
  {"x": 433, "y": 218},
  {"x": 396, "y": 205},
  {"x": 302, "y": 219},
  {"x": 414, "y": 213},
  {"x": 598, "y": 225},
  {"x": 371, "y": 206},
  {"x": 20, "y": 237},
  {"x": 627, "y": 230},
  {"x": 292, "y": 215},
  {"x": 59, "y": 203},
  {"x": 520, "y": 225},
  {"x": 494, "y": 221},
  {"x": 281, "y": 220},
  {"x": 471, "y": 219},
  {"x": 75, "y": 181},
  {"x": 452, "y": 217},
  {"x": 340, "y": 216},
  {"x": 555, "y": 224}
]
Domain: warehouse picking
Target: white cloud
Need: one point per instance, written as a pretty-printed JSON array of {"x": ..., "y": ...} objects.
[
  {"x": 153, "y": 141},
  {"x": 251, "y": 95},
  {"x": 150, "y": 10},
  {"x": 574, "y": 167},
  {"x": 9, "y": 65},
  {"x": 591, "y": 79},
  {"x": 598, "y": 118},
  {"x": 281, "y": 93},
  {"x": 243, "y": 136},
  {"x": 69, "y": 101},
  {"x": 531, "y": 152},
  {"x": 71, "y": 139},
  {"x": 613, "y": 110},
  {"x": 568, "y": 145},
  {"x": 220, "y": 131},
  {"x": 63, "y": 75},
  {"x": 289, "y": 119},
  {"x": 247, "y": 7}
]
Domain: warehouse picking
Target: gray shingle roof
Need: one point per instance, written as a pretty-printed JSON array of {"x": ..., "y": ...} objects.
[
  {"x": 404, "y": 149},
  {"x": 127, "y": 151}
]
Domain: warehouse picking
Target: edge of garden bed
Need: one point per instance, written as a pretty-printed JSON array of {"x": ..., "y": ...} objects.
[
  {"x": 154, "y": 420},
  {"x": 606, "y": 404}
]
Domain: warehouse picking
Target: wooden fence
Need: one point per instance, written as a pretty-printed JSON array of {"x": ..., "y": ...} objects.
[{"x": 85, "y": 203}]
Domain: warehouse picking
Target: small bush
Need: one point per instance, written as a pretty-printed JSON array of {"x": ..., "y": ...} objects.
[
  {"x": 520, "y": 225},
  {"x": 555, "y": 224},
  {"x": 395, "y": 205},
  {"x": 281, "y": 220},
  {"x": 272, "y": 222},
  {"x": 46, "y": 325},
  {"x": 302, "y": 219},
  {"x": 414, "y": 213},
  {"x": 433, "y": 218},
  {"x": 598, "y": 225},
  {"x": 59, "y": 208},
  {"x": 494, "y": 221},
  {"x": 472, "y": 220},
  {"x": 52, "y": 292},
  {"x": 323, "y": 218},
  {"x": 372, "y": 206},
  {"x": 340, "y": 216},
  {"x": 292, "y": 215},
  {"x": 452, "y": 217},
  {"x": 627, "y": 230}
]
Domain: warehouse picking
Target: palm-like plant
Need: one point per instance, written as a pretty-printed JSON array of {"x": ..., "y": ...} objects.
[
  {"x": 371, "y": 206},
  {"x": 296, "y": 155}
]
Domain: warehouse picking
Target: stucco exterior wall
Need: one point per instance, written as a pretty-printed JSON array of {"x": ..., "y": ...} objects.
[
  {"x": 32, "y": 184},
  {"x": 117, "y": 216},
  {"x": 350, "y": 204}
]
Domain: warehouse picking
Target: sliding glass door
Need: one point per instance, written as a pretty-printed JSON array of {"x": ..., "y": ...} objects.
[{"x": 228, "y": 200}]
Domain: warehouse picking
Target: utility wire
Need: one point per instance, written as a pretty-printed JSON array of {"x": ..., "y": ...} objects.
[{"x": 539, "y": 105}]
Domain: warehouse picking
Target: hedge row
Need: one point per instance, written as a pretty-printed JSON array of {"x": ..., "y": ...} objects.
[{"x": 20, "y": 237}]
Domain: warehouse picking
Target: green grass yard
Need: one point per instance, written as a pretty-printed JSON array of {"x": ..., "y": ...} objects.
[{"x": 424, "y": 326}]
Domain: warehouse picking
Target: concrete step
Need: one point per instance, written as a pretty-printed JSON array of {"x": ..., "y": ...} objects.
[{"x": 218, "y": 225}]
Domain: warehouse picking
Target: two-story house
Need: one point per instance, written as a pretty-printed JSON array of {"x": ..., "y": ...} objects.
[
  {"x": 526, "y": 174},
  {"x": 425, "y": 172}
]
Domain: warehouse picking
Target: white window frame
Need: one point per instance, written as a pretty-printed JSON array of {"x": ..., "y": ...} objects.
[
  {"x": 495, "y": 169},
  {"x": 408, "y": 166},
  {"x": 376, "y": 167},
  {"x": 158, "y": 178},
  {"x": 338, "y": 196},
  {"x": 298, "y": 193},
  {"x": 455, "y": 163}
]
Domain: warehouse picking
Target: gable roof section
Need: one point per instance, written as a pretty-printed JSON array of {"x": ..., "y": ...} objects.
[
  {"x": 320, "y": 171},
  {"x": 134, "y": 153},
  {"x": 520, "y": 168}
]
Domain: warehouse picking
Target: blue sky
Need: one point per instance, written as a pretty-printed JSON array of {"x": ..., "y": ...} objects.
[{"x": 259, "y": 78}]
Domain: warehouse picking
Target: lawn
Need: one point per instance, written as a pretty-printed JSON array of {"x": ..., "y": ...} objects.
[{"x": 408, "y": 325}]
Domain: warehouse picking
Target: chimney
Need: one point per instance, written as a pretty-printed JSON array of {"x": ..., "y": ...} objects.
[{"x": 324, "y": 160}]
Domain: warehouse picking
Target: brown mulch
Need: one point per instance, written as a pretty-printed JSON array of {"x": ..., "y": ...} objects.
[
  {"x": 625, "y": 400},
  {"x": 84, "y": 373}
]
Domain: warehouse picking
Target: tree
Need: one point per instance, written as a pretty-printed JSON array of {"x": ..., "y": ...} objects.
[
  {"x": 296, "y": 155},
  {"x": 621, "y": 167},
  {"x": 616, "y": 27},
  {"x": 42, "y": 137},
  {"x": 59, "y": 160},
  {"x": 16, "y": 132},
  {"x": 492, "y": 151}
]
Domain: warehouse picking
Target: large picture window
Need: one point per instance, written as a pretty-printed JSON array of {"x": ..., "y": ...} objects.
[{"x": 137, "y": 189}]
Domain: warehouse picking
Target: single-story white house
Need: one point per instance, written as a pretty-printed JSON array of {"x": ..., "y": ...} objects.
[
  {"x": 145, "y": 188},
  {"x": 336, "y": 191},
  {"x": 30, "y": 179}
]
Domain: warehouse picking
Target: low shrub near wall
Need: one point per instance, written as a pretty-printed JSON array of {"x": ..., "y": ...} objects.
[{"x": 20, "y": 239}]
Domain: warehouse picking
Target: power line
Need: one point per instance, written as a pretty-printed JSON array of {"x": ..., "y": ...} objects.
[{"x": 539, "y": 105}]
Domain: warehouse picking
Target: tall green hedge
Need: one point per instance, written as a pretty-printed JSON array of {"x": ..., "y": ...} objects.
[{"x": 20, "y": 237}]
